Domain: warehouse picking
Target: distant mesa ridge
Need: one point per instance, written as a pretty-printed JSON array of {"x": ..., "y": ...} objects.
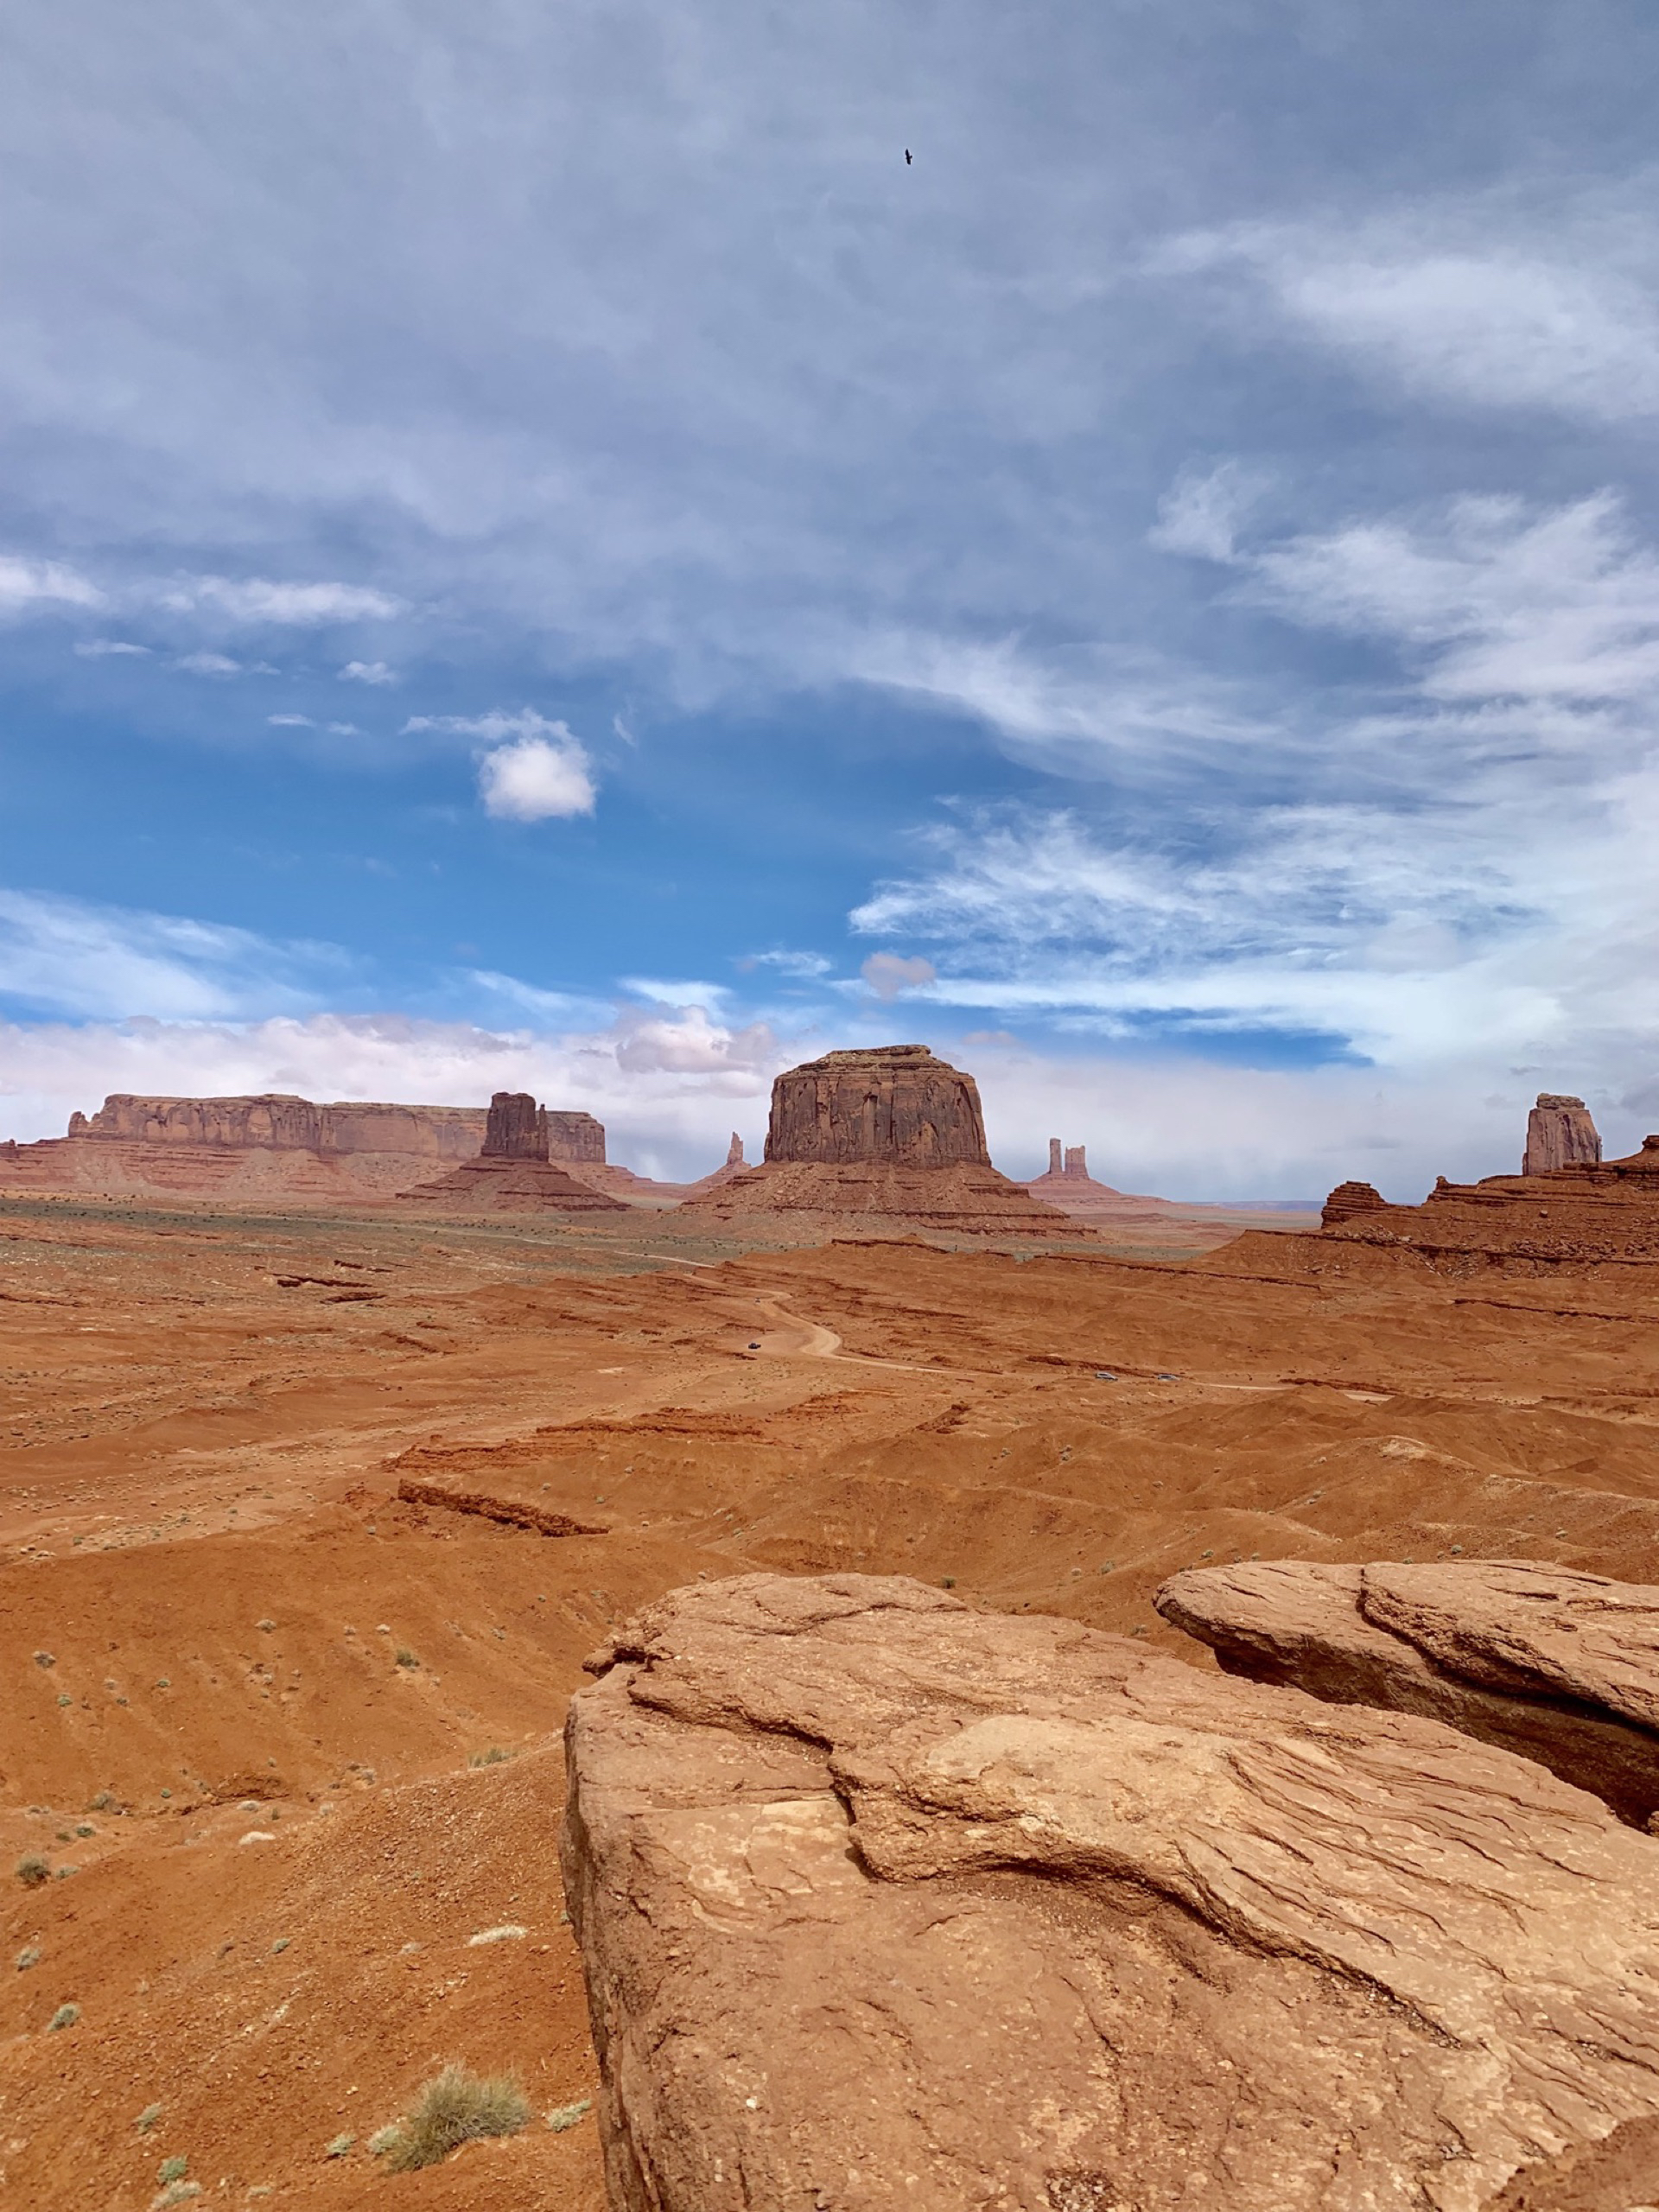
[
  {"x": 277, "y": 1120},
  {"x": 512, "y": 1173}
]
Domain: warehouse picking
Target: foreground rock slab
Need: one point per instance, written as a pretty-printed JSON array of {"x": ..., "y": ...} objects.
[
  {"x": 1559, "y": 1666},
  {"x": 883, "y": 1902}
]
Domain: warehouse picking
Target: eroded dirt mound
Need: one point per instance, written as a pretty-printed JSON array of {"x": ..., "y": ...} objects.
[
  {"x": 875, "y": 1198},
  {"x": 853, "y": 1854}
]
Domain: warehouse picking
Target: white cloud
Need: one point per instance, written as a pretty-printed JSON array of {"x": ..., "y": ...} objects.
[
  {"x": 1481, "y": 300},
  {"x": 102, "y": 648},
  {"x": 367, "y": 672},
  {"x": 290, "y": 722},
  {"x": 257, "y": 600},
  {"x": 26, "y": 584},
  {"x": 1201, "y": 512},
  {"x": 535, "y": 780},
  {"x": 1551, "y": 604},
  {"x": 684, "y": 1040},
  {"x": 888, "y": 972},
  {"x": 71, "y": 956},
  {"x": 207, "y": 663}
]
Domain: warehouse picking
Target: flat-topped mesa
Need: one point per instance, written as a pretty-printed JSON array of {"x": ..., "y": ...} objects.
[
  {"x": 895, "y": 1103},
  {"x": 1560, "y": 1133},
  {"x": 891, "y": 1138},
  {"x": 1348, "y": 1199},
  {"x": 277, "y": 1120}
]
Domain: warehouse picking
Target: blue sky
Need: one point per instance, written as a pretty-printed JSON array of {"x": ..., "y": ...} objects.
[{"x": 537, "y": 550}]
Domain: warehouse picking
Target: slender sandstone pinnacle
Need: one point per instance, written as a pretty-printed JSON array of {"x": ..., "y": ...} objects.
[
  {"x": 1560, "y": 1133},
  {"x": 1054, "y": 1167},
  {"x": 735, "y": 1152}
]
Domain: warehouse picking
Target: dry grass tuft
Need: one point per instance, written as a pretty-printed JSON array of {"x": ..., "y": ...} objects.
[
  {"x": 32, "y": 1870},
  {"x": 454, "y": 2108}
]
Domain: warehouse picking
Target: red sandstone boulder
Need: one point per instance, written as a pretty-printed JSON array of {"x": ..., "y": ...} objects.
[
  {"x": 1560, "y": 1667},
  {"x": 883, "y": 1903}
]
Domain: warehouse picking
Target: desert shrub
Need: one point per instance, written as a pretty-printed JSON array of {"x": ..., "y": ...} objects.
[
  {"x": 44, "y": 1659},
  {"x": 563, "y": 2116},
  {"x": 173, "y": 2169},
  {"x": 147, "y": 2119},
  {"x": 406, "y": 1657},
  {"x": 340, "y": 2146},
  {"x": 65, "y": 2017},
  {"x": 32, "y": 1870},
  {"x": 455, "y": 2107},
  {"x": 104, "y": 1802},
  {"x": 384, "y": 2139},
  {"x": 28, "y": 1956},
  {"x": 494, "y": 1757}
]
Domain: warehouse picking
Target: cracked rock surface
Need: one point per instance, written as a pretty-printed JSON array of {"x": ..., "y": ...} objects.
[
  {"x": 885, "y": 1902},
  {"x": 1559, "y": 1666}
]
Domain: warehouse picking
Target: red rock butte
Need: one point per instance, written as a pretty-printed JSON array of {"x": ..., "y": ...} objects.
[
  {"x": 888, "y": 1135},
  {"x": 513, "y": 1174}
]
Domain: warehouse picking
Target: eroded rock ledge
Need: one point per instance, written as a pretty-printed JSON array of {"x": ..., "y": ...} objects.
[
  {"x": 1559, "y": 1666},
  {"x": 887, "y": 1903}
]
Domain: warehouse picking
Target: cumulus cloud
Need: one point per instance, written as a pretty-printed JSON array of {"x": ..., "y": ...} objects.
[
  {"x": 367, "y": 672},
  {"x": 536, "y": 780},
  {"x": 888, "y": 972}
]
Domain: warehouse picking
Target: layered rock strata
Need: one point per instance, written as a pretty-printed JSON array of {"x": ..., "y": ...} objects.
[
  {"x": 1582, "y": 1215},
  {"x": 885, "y": 1903},
  {"x": 270, "y": 1149},
  {"x": 1558, "y": 1666},
  {"x": 878, "y": 1138},
  {"x": 1560, "y": 1133}
]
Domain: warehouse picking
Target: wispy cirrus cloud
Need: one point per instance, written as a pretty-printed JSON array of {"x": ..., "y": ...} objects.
[{"x": 1490, "y": 300}]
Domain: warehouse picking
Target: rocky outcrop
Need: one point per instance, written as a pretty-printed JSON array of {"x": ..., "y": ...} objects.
[
  {"x": 1555, "y": 1665},
  {"x": 879, "y": 1139},
  {"x": 1349, "y": 1199},
  {"x": 278, "y": 1121},
  {"x": 735, "y": 1152},
  {"x": 1581, "y": 1216},
  {"x": 1560, "y": 1133},
  {"x": 897, "y": 1104},
  {"x": 885, "y": 1903},
  {"x": 577, "y": 1139},
  {"x": 513, "y": 1174}
]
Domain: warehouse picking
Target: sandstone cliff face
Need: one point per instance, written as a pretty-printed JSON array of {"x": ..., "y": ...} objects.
[
  {"x": 1558, "y": 1666},
  {"x": 1560, "y": 1133},
  {"x": 577, "y": 1139},
  {"x": 887, "y": 1904},
  {"x": 898, "y": 1105},
  {"x": 274, "y": 1121}
]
